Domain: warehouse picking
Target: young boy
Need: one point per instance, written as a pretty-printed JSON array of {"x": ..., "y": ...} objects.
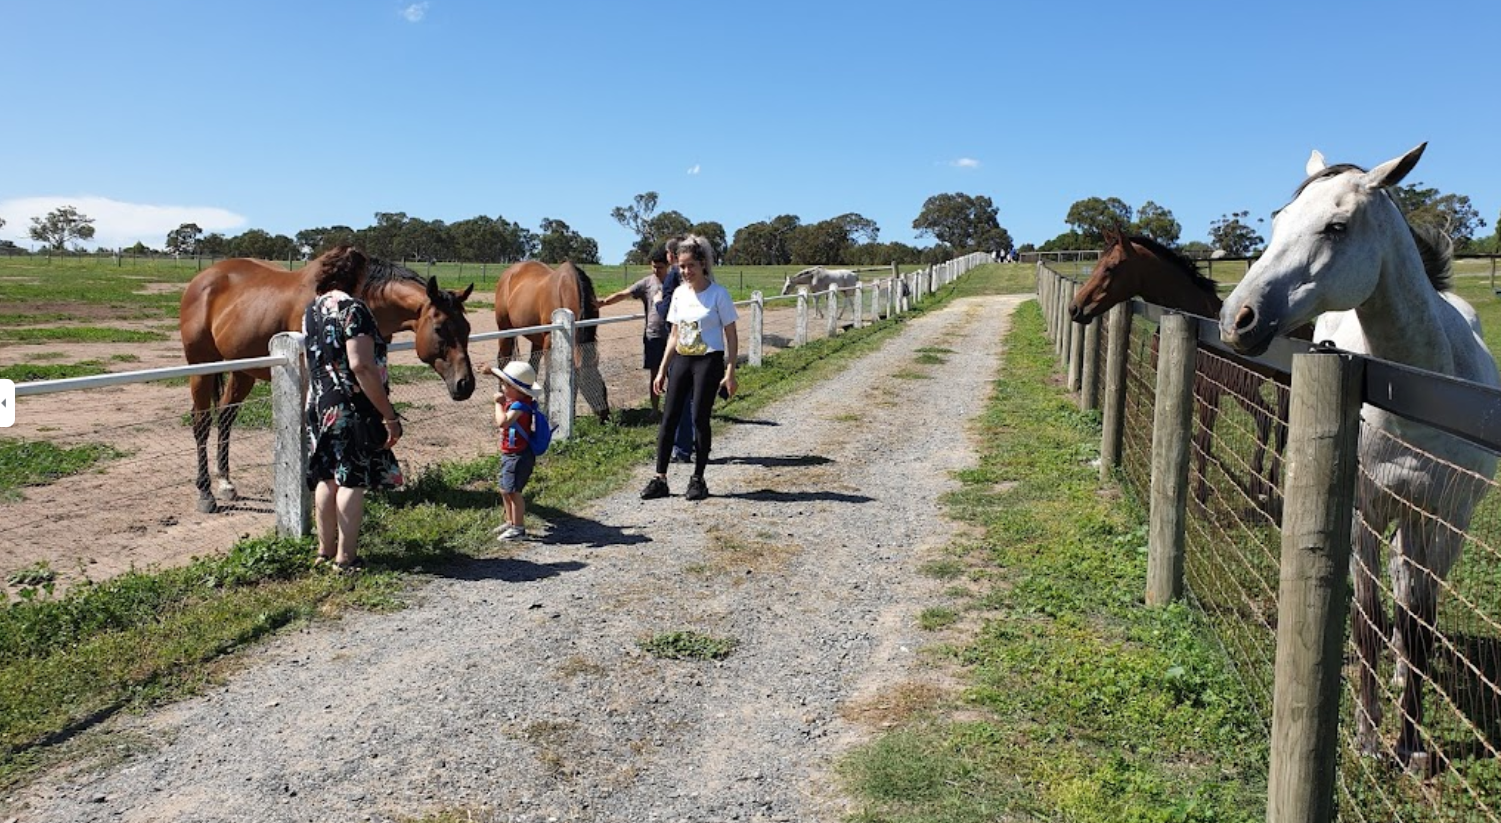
[{"x": 514, "y": 405}]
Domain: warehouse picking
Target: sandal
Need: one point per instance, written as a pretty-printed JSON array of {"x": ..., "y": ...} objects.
[
  {"x": 319, "y": 561},
  {"x": 351, "y": 567}
]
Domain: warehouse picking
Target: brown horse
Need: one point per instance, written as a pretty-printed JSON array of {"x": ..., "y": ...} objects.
[
  {"x": 527, "y": 294},
  {"x": 232, "y": 309},
  {"x": 1141, "y": 267}
]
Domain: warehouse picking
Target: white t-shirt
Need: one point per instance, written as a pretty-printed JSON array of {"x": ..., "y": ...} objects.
[{"x": 701, "y": 317}]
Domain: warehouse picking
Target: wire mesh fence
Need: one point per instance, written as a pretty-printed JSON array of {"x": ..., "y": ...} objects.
[{"x": 1432, "y": 571}]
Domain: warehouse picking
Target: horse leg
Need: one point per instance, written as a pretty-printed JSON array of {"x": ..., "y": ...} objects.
[
  {"x": 1369, "y": 625},
  {"x": 1416, "y": 571},
  {"x": 236, "y": 388},
  {"x": 592, "y": 383},
  {"x": 1208, "y": 408},
  {"x": 202, "y": 388}
]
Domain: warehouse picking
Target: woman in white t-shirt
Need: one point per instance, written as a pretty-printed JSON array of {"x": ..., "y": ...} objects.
[{"x": 698, "y": 362}]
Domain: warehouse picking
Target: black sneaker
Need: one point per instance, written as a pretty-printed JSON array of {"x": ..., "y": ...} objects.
[
  {"x": 656, "y": 488},
  {"x": 696, "y": 488}
]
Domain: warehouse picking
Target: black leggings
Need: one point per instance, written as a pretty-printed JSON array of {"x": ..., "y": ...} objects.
[{"x": 696, "y": 376}]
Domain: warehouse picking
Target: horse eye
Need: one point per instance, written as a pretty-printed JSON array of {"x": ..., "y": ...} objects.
[{"x": 1334, "y": 229}]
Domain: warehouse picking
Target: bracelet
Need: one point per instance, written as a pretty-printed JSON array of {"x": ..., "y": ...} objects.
[{"x": 392, "y": 420}]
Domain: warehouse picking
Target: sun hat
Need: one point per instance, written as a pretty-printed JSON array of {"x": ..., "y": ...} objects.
[{"x": 520, "y": 375}]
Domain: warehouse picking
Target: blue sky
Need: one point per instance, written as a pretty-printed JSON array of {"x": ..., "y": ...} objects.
[{"x": 291, "y": 115}]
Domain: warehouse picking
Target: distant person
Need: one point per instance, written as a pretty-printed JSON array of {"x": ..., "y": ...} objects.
[
  {"x": 352, "y": 425},
  {"x": 682, "y": 444},
  {"x": 698, "y": 363},
  {"x": 649, "y": 290},
  {"x": 515, "y": 413}
]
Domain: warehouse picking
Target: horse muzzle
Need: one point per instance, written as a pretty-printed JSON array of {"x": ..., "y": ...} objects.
[{"x": 1247, "y": 332}]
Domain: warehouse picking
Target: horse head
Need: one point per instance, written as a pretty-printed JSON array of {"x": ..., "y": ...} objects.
[
  {"x": 1327, "y": 251},
  {"x": 442, "y": 333},
  {"x": 1116, "y": 278}
]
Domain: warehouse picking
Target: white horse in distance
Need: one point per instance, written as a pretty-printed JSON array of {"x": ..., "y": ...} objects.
[{"x": 820, "y": 280}]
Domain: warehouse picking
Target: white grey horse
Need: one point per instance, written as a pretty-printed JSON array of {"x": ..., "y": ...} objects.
[
  {"x": 819, "y": 280},
  {"x": 1342, "y": 252}
]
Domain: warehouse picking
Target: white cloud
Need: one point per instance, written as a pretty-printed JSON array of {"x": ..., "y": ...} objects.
[
  {"x": 693, "y": 169},
  {"x": 116, "y": 224},
  {"x": 415, "y": 12},
  {"x": 965, "y": 163}
]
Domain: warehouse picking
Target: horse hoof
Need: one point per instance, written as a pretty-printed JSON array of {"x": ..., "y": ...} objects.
[
  {"x": 206, "y": 505},
  {"x": 228, "y": 492}
]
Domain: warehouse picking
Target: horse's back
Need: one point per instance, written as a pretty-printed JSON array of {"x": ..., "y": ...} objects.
[{"x": 233, "y": 308}]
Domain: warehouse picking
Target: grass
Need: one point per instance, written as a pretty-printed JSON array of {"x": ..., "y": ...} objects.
[
  {"x": 30, "y": 372},
  {"x": 80, "y": 334},
  {"x": 688, "y": 645},
  {"x": 145, "y": 638},
  {"x": 37, "y": 463},
  {"x": 1080, "y": 703}
]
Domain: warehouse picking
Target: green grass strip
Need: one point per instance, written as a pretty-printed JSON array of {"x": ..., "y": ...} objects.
[{"x": 1081, "y": 703}]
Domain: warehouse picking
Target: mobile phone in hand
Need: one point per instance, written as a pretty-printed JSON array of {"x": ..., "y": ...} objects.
[{"x": 724, "y": 392}]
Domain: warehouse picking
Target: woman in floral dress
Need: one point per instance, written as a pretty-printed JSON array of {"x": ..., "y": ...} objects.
[{"x": 352, "y": 424}]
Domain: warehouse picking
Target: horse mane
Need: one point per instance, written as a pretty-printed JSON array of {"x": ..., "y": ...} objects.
[
  {"x": 1200, "y": 280},
  {"x": 1435, "y": 246},
  {"x": 588, "y": 306},
  {"x": 1437, "y": 251},
  {"x": 381, "y": 273}
]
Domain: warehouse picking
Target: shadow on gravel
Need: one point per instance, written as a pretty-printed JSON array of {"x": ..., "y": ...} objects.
[
  {"x": 769, "y": 496},
  {"x": 571, "y": 530},
  {"x": 508, "y": 569},
  {"x": 745, "y": 421},
  {"x": 777, "y": 460}
]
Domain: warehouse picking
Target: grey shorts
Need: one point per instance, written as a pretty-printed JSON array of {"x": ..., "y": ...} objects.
[{"x": 515, "y": 470}]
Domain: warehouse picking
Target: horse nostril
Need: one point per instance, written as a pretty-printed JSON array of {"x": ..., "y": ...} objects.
[
  {"x": 1245, "y": 318},
  {"x": 1073, "y": 311}
]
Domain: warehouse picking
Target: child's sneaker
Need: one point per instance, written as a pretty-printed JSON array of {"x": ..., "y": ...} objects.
[
  {"x": 656, "y": 488},
  {"x": 515, "y": 533},
  {"x": 697, "y": 489},
  {"x": 505, "y": 531}
]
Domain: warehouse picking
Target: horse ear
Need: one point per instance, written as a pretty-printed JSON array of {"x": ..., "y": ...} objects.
[
  {"x": 467, "y": 292},
  {"x": 1392, "y": 171},
  {"x": 1315, "y": 163},
  {"x": 433, "y": 292}
]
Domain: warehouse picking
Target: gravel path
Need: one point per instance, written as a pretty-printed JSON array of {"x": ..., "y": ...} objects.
[{"x": 514, "y": 688}]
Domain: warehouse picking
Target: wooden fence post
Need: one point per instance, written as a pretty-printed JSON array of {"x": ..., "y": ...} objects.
[
  {"x": 289, "y": 453},
  {"x": 758, "y": 326},
  {"x": 561, "y": 377},
  {"x": 1113, "y": 416},
  {"x": 834, "y": 302},
  {"x": 859, "y": 306},
  {"x": 1089, "y": 394},
  {"x": 1075, "y": 354},
  {"x": 1172, "y": 433},
  {"x": 1313, "y": 591},
  {"x": 800, "y": 336}
]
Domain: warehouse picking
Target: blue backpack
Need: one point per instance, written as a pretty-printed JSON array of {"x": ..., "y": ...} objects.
[{"x": 541, "y": 436}]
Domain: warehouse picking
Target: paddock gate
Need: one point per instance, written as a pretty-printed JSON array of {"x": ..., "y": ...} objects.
[{"x": 1258, "y": 539}]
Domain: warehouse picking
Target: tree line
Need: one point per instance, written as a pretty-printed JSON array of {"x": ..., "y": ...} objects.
[{"x": 959, "y": 224}]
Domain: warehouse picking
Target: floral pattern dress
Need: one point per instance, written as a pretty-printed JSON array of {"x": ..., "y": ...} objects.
[{"x": 345, "y": 432}]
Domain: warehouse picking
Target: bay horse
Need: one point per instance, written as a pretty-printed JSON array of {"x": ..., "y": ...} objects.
[
  {"x": 232, "y": 309},
  {"x": 1137, "y": 266},
  {"x": 1343, "y": 252},
  {"x": 820, "y": 281},
  {"x": 526, "y": 295}
]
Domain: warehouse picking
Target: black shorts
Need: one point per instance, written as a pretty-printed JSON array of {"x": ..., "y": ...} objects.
[{"x": 653, "y": 348}]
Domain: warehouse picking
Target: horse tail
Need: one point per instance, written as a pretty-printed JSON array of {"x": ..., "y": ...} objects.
[{"x": 588, "y": 306}]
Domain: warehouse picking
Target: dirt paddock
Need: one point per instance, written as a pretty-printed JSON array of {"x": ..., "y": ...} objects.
[{"x": 138, "y": 510}]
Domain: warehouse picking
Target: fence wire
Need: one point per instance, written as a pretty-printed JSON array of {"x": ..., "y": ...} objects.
[{"x": 1233, "y": 547}]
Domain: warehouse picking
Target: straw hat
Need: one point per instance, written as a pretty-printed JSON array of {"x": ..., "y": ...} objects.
[{"x": 520, "y": 375}]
